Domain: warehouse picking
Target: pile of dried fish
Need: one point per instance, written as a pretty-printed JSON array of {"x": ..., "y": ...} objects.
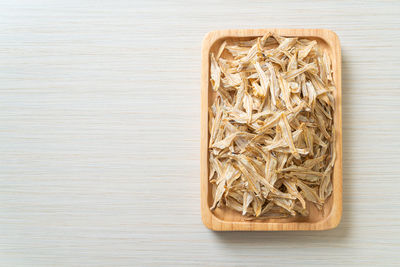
[{"x": 271, "y": 135}]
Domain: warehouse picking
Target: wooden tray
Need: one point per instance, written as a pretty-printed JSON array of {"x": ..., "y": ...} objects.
[{"x": 224, "y": 219}]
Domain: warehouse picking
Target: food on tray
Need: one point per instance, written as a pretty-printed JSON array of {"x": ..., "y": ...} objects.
[{"x": 271, "y": 133}]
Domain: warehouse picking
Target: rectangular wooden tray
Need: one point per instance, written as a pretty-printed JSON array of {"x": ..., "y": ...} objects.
[{"x": 224, "y": 219}]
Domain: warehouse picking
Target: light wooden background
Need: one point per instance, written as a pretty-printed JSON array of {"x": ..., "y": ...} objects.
[{"x": 100, "y": 129}]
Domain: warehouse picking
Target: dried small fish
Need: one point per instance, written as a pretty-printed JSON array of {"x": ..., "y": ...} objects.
[
  {"x": 306, "y": 50},
  {"x": 221, "y": 49},
  {"x": 215, "y": 73},
  {"x": 263, "y": 80},
  {"x": 252, "y": 53},
  {"x": 271, "y": 134},
  {"x": 287, "y": 134}
]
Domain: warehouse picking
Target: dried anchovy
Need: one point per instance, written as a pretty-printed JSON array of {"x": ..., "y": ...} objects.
[{"x": 271, "y": 145}]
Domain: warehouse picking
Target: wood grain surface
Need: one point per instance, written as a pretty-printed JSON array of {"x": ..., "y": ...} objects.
[{"x": 100, "y": 134}]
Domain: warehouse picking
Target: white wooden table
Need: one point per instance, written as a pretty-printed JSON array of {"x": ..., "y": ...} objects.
[{"x": 100, "y": 129}]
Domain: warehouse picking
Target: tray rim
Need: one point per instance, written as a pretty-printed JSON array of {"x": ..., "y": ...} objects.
[{"x": 334, "y": 217}]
